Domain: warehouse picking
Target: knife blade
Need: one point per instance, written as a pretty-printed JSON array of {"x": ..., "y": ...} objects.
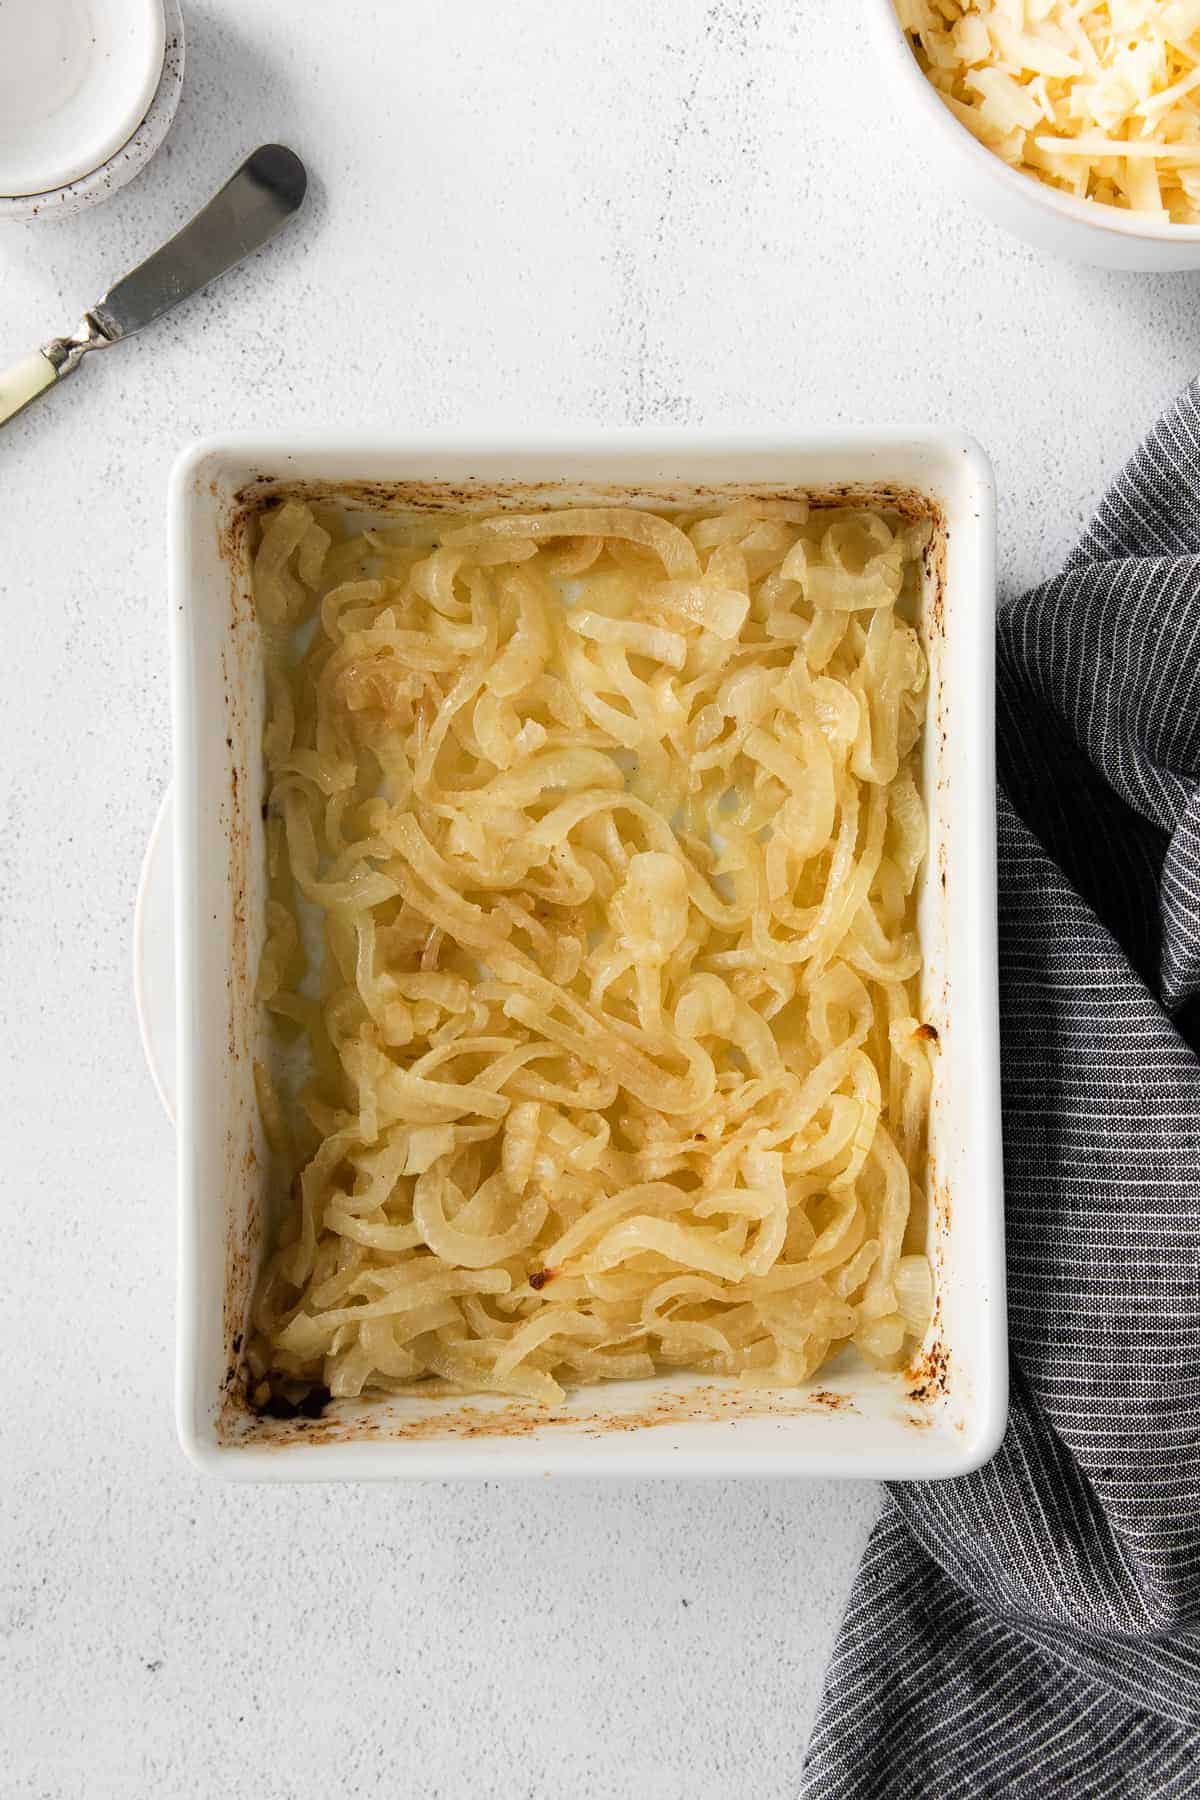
[{"x": 255, "y": 203}]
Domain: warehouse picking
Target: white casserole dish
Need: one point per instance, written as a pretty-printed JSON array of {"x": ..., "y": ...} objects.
[{"x": 945, "y": 1415}]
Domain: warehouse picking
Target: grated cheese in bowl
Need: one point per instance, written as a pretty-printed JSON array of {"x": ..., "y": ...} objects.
[{"x": 1100, "y": 100}]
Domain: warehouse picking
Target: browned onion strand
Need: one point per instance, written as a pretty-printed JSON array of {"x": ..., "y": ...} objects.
[{"x": 593, "y": 838}]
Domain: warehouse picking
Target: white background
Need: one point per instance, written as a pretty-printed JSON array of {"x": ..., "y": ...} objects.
[{"x": 636, "y": 211}]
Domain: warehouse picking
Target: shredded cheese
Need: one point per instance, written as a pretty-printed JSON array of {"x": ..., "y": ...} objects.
[{"x": 1099, "y": 98}]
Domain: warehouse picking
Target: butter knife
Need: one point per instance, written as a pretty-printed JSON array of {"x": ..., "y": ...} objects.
[{"x": 247, "y": 212}]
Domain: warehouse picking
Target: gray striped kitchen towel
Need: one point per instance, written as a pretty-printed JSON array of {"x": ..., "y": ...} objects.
[{"x": 1034, "y": 1629}]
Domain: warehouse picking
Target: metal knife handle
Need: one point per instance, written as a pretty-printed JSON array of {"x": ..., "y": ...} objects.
[{"x": 24, "y": 382}]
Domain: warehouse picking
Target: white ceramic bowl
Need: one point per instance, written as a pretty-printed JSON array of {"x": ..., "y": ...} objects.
[
  {"x": 1050, "y": 220},
  {"x": 944, "y": 1420},
  {"x": 127, "y": 61}
]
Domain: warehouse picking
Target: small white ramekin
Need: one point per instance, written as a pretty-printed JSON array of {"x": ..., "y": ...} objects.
[
  {"x": 1043, "y": 216},
  {"x": 129, "y": 158}
]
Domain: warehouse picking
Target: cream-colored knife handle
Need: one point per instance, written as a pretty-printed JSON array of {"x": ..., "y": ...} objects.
[
  {"x": 39, "y": 371},
  {"x": 24, "y": 382}
]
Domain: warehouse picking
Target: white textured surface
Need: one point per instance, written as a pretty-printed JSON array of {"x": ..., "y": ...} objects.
[{"x": 676, "y": 213}]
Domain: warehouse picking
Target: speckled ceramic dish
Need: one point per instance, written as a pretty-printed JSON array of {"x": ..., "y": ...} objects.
[{"x": 126, "y": 161}]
